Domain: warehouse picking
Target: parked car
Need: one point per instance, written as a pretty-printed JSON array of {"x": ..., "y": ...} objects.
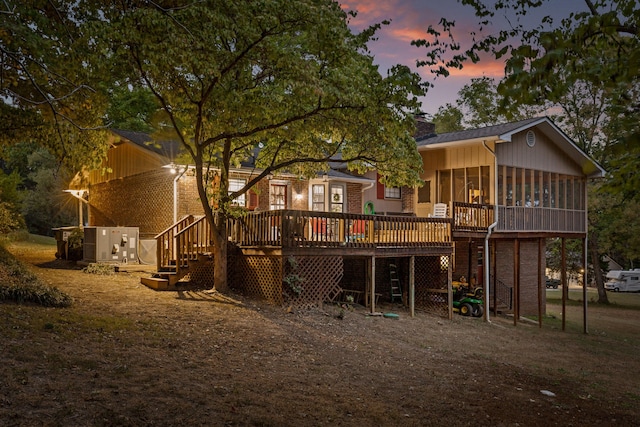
[{"x": 552, "y": 283}]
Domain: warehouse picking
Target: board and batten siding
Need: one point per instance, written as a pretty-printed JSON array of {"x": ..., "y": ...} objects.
[
  {"x": 543, "y": 156},
  {"x": 451, "y": 158},
  {"x": 124, "y": 160}
]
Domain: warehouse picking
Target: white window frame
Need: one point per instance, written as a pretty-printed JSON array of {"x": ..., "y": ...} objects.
[
  {"x": 236, "y": 184},
  {"x": 394, "y": 193},
  {"x": 278, "y": 184},
  {"x": 313, "y": 201}
]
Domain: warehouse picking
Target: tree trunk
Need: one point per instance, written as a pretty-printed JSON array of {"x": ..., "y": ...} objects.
[
  {"x": 220, "y": 283},
  {"x": 597, "y": 271}
]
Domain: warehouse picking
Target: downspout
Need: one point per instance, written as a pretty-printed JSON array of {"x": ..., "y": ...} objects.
[
  {"x": 365, "y": 188},
  {"x": 182, "y": 170},
  {"x": 368, "y": 187},
  {"x": 487, "y": 263}
]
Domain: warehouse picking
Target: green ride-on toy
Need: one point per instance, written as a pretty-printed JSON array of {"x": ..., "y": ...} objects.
[{"x": 468, "y": 303}]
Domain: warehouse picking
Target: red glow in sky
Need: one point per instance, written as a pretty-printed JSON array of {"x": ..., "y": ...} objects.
[{"x": 409, "y": 21}]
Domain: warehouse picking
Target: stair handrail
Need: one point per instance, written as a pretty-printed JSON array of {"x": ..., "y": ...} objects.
[
  {"x": 502, "y": 293},
  {"x": 165, "y": 241},
  {"x": 191, "y": 240}
]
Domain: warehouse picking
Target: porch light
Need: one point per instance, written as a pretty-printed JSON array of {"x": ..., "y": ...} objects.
[
  {"x": 76, "y": 193},
  {"x": 79, "y": 194},
  {"x": 298, "y": 196},
  {"x": 174, "y": 169}
]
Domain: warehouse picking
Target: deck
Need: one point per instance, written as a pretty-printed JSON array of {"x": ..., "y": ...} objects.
[{"x": 313, "y": 232}]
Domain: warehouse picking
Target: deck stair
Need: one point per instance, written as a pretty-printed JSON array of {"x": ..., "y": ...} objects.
[
  {"x": 501, "y": 296},
  {"x": 179, "y": 247}
]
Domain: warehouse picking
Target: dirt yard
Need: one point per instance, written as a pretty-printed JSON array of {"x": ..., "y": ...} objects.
[{"x": 125, "y": 355}]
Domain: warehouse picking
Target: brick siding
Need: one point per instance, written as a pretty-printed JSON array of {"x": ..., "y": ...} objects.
[
  {"x": 408, "y": 199},
  {"x": 354, "y": 198},
  {"x": 528, "y": 272},
  {"x": 144, "y": 201}
]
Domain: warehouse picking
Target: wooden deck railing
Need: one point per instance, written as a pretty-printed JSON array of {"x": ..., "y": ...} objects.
[
  {"x": 289, "y": 228},
  {"x": 165, "y": 247},
  {"x": 471, "y": 216},
  {"x": 191, "y": 241},
  {"x": 519, "y": 218}
]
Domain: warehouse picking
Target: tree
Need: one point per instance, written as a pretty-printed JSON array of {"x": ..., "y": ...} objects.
[
  {"x": 45, "y": 205},
  {"x": 285, "y": 79},
  {"x": 448, "y": 119},
  {"x": 131, "y": 109},
  {"x": 49, "y": 93},
  {"x": 479, "y": 104}
]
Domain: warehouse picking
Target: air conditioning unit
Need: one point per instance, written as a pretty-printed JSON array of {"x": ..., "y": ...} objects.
[{"x": 110, "y": 244}]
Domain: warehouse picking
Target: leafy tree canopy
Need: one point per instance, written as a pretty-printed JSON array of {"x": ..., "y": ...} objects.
[
  {"x": 48, "y": 91},
  {"x": 479, "y": 105},
  {"x": 285, "y": 82},
  {"x": 287, "y": 76}
]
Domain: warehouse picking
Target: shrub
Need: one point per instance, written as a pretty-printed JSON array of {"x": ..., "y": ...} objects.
[
  {"x": 20, "y": 285},
  {"x": 9, "y": 219},
  {"x": 75, "y": 244},
  {"x": 101, "y": 269}
]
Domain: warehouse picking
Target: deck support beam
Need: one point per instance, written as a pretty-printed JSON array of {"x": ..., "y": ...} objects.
[
  {"x": 412, "y": 286},
  {"x": 372, "y": 284},
  {"x": 563, "y": 278},
  {"x": 516, "y": 281},
  {"x": 450, "y": 285},
  {"x": 584, "y": 286},
  {"x": 540, "y": 287}
]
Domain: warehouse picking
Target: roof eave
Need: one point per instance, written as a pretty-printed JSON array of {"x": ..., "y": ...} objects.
[{"x": 459, "y": 143}]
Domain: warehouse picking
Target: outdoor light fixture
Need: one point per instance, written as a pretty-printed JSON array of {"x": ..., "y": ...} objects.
[
  {"x": 79, "y": 194},
  {"x": 76, "y": 193}
]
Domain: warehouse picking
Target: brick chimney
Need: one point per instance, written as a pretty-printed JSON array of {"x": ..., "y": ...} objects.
[{"x": 423, "y": 127}]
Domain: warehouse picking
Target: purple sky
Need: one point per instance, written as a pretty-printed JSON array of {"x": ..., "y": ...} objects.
[{"x": 409, "y": 21}]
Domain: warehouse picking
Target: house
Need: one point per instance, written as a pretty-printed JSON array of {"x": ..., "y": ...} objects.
[{"x": 506, "y": 188}]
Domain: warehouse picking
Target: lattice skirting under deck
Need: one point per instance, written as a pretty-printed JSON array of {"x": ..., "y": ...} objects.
[{"x": 431, "y": 285}]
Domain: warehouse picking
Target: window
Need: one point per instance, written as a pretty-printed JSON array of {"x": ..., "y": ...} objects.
[
  {"x": 485, "y": 184},
  {"x": 444, "y": 186},
  {"x": 534, "y": 188},
  {"x": 384, "y": 192},
  {"x": 278, "y": 197},
  {"x": 391, "y": 192},
  {"x": 317, "y": 198},
  {"x": 337, "y": 198},
  {"x": 424, "y": 193},
  {"x": 459, "y": 186},
  {"x": 235, "y": 185}
]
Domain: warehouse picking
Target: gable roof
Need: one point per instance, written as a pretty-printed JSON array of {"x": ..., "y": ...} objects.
[
  {"x": 168, "y": 148},
  {"x": 504, "y": 132},
  {"x": 472, "y": 134}
]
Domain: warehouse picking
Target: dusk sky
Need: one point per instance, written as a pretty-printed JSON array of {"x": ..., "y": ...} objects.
[{"x": 409, "y": 21}]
